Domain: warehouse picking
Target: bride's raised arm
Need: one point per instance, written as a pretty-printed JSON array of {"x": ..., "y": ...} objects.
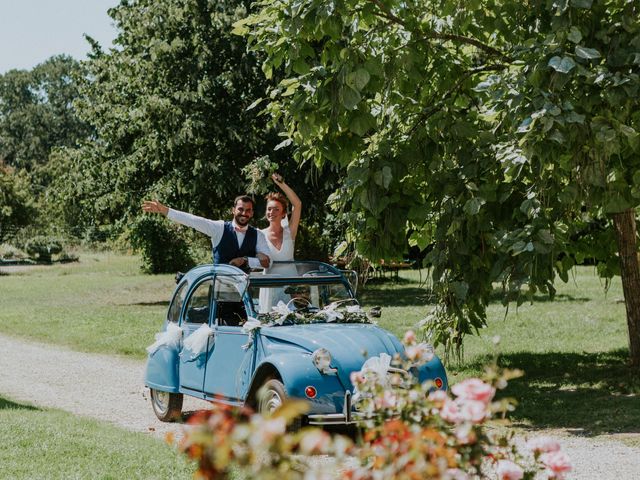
[{"x": 296, "y": 203}]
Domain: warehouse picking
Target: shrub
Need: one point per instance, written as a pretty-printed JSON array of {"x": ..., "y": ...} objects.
[
  {"x": 162, "y": 248},
  {"x": 41, "y": 248},
  {"x": 412, "y": 431},
  {"x": 9, "y": 252}
]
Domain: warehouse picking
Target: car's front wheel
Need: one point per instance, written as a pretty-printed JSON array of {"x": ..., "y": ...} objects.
[
  {"x": 167, "y": 406},
  {"x": 270, "y": 397}
]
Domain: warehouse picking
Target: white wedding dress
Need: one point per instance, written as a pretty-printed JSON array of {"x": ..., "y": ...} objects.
[{"x": 269, "y": 297}]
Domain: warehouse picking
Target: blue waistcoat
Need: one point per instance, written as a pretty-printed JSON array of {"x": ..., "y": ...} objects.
[{"x": 227, "y": 249}]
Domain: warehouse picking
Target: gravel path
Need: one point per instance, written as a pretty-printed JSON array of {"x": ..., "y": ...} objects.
[{"x": 111, "y": 389}]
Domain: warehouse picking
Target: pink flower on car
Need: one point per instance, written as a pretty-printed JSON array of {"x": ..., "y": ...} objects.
[
  {"x": 557, "y": 463},
  {"x": 508, "y": 470},
  {"x": 315, "y": 442},
  {"x": 543, "y": 445},
  {"x": 474, "y": 389}
]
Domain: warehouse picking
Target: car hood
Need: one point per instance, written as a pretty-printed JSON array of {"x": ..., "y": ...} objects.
[{"x": 350, "y": 345}]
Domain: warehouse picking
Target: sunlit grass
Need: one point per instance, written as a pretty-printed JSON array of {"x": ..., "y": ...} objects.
[{"x": 49, "y": 444}]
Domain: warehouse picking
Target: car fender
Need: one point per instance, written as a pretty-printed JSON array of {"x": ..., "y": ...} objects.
[
  {"x": 431, "y": 370},
  {"x": 297, "y": 372},
  {"x": 162, "y": 370}
]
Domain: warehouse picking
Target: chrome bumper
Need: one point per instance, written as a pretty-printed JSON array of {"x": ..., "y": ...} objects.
[{"x": 347, "y": 417}]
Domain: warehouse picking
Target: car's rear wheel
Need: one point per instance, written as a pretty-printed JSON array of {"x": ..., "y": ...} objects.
[
  {"x": 270, "y": 397},
  {"x": 167, "y": 406}
]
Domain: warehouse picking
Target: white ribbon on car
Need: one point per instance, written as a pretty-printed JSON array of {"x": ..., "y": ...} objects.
[
  {"x": 250, "y": 326},
  {"x": 331, "y": 313},
  {"x": 281, "y": 309},
  {"x": 170, "y": 338},
  {"x": 197, "y": 342}
]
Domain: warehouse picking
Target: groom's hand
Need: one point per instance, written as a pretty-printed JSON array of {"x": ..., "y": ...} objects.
[
  {"x": 154, "y": 206},
  {"x": 239, "y": 262}
]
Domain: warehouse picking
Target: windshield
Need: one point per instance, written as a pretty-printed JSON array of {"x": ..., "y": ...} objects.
[{"x": 299, "y": 296}]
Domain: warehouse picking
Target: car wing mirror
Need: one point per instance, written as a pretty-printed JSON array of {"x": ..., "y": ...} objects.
[{"x": 375, "y": 312}]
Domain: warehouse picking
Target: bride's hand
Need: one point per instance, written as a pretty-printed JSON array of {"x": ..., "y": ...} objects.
[{"x": 276, "y": 177}]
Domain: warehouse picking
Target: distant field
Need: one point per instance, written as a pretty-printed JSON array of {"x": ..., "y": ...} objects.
[{"x": 573, "y": 349}]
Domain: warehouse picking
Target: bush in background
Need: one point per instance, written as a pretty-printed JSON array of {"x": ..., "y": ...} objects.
[
  {"x": 162, "y": 248},
  {"x": 41, "y": 248}
]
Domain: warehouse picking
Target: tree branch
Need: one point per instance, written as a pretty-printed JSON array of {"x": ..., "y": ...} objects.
[
  {"x": 384, "y": 12},
  {"x": 430, "y": 112}
]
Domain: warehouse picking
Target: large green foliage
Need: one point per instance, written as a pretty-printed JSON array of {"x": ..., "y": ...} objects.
[
  {"x": 16, "y": 205},
  {"x": 463, "y": 126},
  {"x": 36, "y": 112},
  {"x": 169, "y": 107}
]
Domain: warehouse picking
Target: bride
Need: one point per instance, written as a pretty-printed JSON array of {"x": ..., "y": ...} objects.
[
  {"x": 281, "y": 236},
  {"x": 281, "y": 232}
]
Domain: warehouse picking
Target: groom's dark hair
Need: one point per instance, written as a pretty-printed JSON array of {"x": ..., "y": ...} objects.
[{"x": 245, "y": 199}]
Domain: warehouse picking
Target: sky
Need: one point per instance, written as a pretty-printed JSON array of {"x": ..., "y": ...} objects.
[{"x": 33, "y": 30}]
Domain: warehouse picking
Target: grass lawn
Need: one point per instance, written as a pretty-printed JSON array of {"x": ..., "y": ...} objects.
[
  {"x": 573, "y": 349},
  {"x": 49, "y": 444}
]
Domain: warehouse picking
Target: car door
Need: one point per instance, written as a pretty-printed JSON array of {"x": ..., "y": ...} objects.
[
  {"x": 198, "y": 312},
  {"x": 230, "y": 363}
]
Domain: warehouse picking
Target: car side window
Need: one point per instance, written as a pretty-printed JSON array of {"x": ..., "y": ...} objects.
[
  {"x": 230, "y": 309},
  {"x": 176, "y": 305},
  {"x": 199, "y": 302}
]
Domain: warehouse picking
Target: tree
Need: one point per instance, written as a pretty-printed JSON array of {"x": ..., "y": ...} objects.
[
  {"x": 16, "y": 205},
  {"x": 171, "y": 110},
  {"x": 450, "y": 120},
  {"x": 36, "y": 112}
]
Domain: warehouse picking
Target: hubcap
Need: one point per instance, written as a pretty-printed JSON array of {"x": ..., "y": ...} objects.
[
  {"x": 270, "y": 402},
  {"x": 160, "y": 401}
]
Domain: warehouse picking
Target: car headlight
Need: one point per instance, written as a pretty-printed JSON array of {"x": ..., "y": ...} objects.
[{"x": 322, "y": 360}]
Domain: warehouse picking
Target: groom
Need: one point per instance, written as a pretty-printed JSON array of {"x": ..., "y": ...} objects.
[{"x": 234, "y": 242}]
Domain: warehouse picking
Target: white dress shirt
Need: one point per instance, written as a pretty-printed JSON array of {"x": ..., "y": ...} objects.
[{"x": 215, "y": 230}]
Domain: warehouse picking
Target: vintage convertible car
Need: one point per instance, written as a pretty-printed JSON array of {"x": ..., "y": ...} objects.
[{"x": 296, "y": 332}]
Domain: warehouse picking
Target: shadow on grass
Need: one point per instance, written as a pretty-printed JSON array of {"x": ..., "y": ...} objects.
[
  {"x": 162, "y": 303},
  {"x": 395, "y": 297},
  {"x": 498, "y": 295},
  {"x": 9, "y": 405},
  {"x": 587, "y": 393}
]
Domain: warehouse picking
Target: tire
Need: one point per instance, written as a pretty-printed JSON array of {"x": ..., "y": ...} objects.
[
  {"x": 270, "y": 397},
  {"x": 167, "y": 406}
]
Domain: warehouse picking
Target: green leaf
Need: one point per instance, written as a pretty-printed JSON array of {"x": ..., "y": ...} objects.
[
  {"x": 254, "y": 104},
  {"x": 358, "y": 79},
  {"x": 472, "y": 206},
  {"x": 575, "y": 35},
  {"x": 361, "y": 123},
  {"x": 573, "y": 117},
  {"x": 350, "y": 98},
  {"x": 460, "y": 290},
  {"x": 587, "y": 53},
  {"x": 562, "y": 65}
]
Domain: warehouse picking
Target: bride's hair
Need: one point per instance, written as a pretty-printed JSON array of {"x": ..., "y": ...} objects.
[{"x": 278, "y": 197}]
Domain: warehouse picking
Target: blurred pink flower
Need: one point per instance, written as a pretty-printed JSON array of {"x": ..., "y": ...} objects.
[
  {"x": 465, "y": 435},
  {"x": 455, "y": 474},
  {"x": 409, "y": 337},
  {"x": 357, "y": 378},
  {"x": 438, "y": 396},
  {"x": 472, "y": 410},
  {"x": 474, "y": 389},
  {"x": 557, "y": 463},
  {"x": 507, "y": 470},
  {"x": 387, "y": 400},
  {"x": 315, "y": 442},
  {"x": 450, "y": 411},
  {"x": 543, "y": 445}
]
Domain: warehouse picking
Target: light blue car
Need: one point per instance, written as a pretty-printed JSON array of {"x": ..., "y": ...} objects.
[{"x": 296, "y": 333}]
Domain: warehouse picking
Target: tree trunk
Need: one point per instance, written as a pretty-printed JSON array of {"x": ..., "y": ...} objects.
[{"x": 625, "y": 225}]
